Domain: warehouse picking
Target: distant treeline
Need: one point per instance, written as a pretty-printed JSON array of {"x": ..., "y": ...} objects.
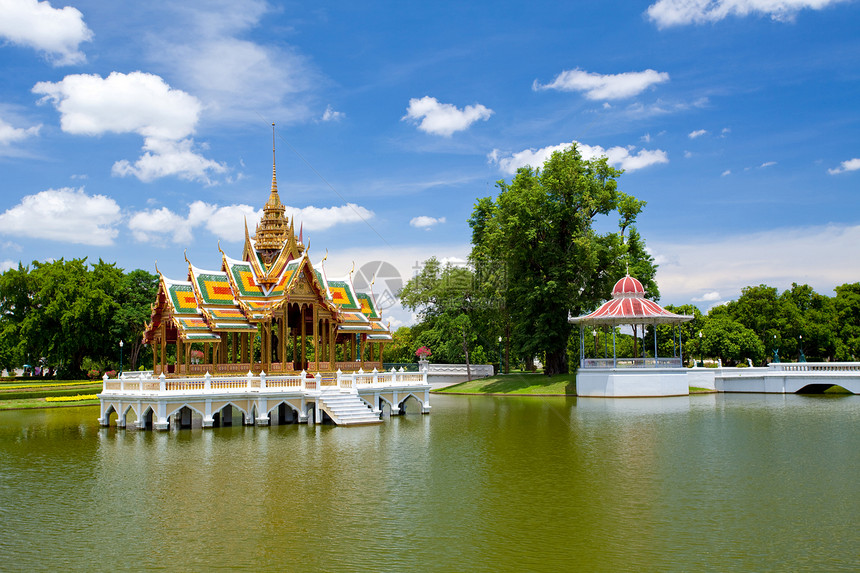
[{"x": 69, "y": 316}]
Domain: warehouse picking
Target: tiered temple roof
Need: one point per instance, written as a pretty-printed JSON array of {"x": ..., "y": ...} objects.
[{"x": 273, "y": 282}]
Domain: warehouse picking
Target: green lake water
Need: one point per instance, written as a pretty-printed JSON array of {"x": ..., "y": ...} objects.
[{"x": 706, "y": 482}]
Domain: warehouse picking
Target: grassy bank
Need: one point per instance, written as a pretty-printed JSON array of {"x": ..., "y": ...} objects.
[
  {"x": 19, "y": 395},
  {"x": 517, "y": 383}
]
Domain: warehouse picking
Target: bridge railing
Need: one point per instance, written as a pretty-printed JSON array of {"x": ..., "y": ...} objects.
[
  {"x": 631, "y": 363},
  {"x": 815, "y": 366},
  {"x": 262, "y": 382}
]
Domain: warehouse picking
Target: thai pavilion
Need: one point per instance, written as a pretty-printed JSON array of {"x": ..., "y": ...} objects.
[
  {"x": 302, "y": 319},
  {"x": 635, "y": 376}
]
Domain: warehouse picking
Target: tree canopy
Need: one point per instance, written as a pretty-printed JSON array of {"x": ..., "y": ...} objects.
[
  {"x": 63, "y": 312},
  {"x": 540, "y": 233}
]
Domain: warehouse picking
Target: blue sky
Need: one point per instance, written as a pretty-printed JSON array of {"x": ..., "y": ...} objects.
[{"x": 134, "y": 131}]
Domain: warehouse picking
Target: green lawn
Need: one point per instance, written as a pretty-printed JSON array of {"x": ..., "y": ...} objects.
[
  {"x": 21, "y": 395},
  {"x": 517, "y": 383}
]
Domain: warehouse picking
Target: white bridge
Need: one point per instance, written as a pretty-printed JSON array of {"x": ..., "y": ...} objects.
[
  {"x": 345, "y": 399},
  {"x": 789, "y": 377}
]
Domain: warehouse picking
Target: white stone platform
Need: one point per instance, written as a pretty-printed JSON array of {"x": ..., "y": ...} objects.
[
  {"x": 631, "y": 382},
  {"x": 346, "y": 398}
]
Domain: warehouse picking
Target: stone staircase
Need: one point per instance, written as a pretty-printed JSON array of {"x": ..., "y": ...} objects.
[{"x": 347, "y": 409}]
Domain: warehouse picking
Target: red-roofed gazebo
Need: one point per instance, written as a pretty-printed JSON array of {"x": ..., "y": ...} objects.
[{"x": 628, "y": 306}]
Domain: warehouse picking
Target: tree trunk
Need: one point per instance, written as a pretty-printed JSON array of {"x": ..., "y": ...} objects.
[
  {"x": 556, "y": 362},
  {"x": 466, "y": 351}
]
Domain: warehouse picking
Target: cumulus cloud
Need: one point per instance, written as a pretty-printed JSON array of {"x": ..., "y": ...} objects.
[
  {"x": 157, "y": 226},
  {"x": 10, "y": 134},
  {"x": 7, "y": 265},
  {"x": 162, "y": 158},
  {"x": 331, "y": 115},
  {"x": 121, "y": 103},
  {"x": 57, "y": 33},
  {"x": 726, "y": 173},
  {"x": 708, "y": 297},
  {"x": 443, "y": 118},
  {"x": 697, "y": 133},
  {"x": 623, "y": 157},
  {"x": 599, "y": 86},
  {"x": 849, "y": 165},
  {"x": 138, "y": 103},
  {"x": 227, "y": 223},
  {"x": 68, "y": 215},
  {"x": 425, "y": 222},
  {"x": 667, "y": 13}
]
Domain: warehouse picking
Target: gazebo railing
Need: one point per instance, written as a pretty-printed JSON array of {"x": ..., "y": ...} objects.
[{"x": 631, "y": 363}]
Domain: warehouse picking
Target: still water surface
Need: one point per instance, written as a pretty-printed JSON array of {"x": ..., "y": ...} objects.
[{"x": 723, "y": 483}]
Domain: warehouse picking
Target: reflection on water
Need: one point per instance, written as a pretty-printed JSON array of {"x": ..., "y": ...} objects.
[{"x": 740, "y": 482}]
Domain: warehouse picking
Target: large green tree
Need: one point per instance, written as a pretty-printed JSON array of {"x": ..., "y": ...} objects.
[
  {"x": 542, "y": 229},
  {"x": 63, "y": 312},
  {"x": 847, "y": 310}
]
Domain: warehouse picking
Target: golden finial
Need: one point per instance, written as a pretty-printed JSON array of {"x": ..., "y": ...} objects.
[
  {"x": 156, "y": 267},
  {"x": 353, "y": 268},
  {"x": 185, "y": 254},
  {"x": 274, "y": 182},
  {"x": 326, "y": 255}
]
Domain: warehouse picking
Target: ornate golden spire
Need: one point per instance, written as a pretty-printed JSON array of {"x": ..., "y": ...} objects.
[{"x": 272, "y": 231}]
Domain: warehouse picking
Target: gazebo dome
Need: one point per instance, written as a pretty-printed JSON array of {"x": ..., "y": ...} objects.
[{"x": 628, "y": 287}]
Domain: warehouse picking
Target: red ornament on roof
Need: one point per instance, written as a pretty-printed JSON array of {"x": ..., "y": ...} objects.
[
  {"x": 629, "y": 306},
  {"x": 628, "y": 286}
]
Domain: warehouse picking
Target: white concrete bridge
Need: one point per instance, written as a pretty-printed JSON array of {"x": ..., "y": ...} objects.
[{"x": 785, "y": 377}]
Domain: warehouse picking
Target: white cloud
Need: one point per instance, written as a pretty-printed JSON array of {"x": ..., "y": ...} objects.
[
  {"x": 163, "y": 158},
  {"x": 425, "y": 222},
  {"x": 58, "y": 33},
  {"x": 725, "y": 132},
  {"x": 7, "y": 265},
  {"x": 210, "y": 47},
  {"x": 121, "y": 103},
  {"x": 726, "y": 173},
  {"x": 228, "y": 222},
  {"x": 68, "y": 215},
  {"x": 646, "y": 138},
  {"x": 688, "y": 154},
  {"x": 443, "y": 118},
  {"x": 767, "y": 164},
  {"x": 829, "y": 254},
  {"x": 697, "y": 133},
  {"x": 609, "y": 86},
  {"x": 849, "y": 165},
  {"x": 9, "y": 134},
  {"x": 667, "y": 13},
  {"x": 619, "y": 156},
  {"x": 138, "y": 103},
  {"x": 331, "y": 115},
  {"x": 151, "y": 225},
  {"x": 708, "y": 297},
  {"x": 321, "y": 218}
]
